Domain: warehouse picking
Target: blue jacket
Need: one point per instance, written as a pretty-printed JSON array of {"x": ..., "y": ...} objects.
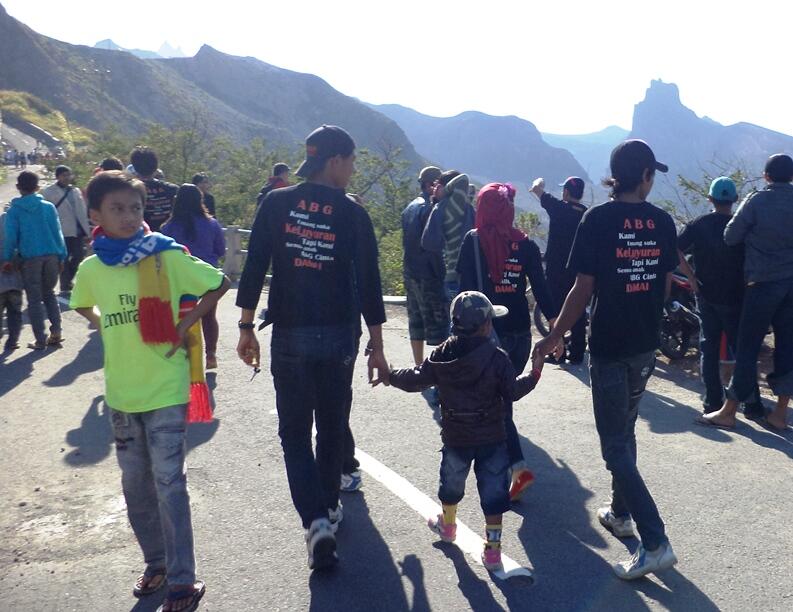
[{"x": 32, "y": 229}]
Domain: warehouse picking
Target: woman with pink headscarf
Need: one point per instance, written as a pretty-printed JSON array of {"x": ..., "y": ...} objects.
[{"x": 497, "y": 259}]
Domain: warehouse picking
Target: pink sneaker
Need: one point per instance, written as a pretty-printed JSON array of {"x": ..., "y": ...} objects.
[
  {"x": 491, "y": 558},
  {"x": 448, "y": 533}
]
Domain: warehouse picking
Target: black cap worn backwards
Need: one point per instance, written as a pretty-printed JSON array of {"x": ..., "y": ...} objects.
[
  {"x": 631, "y": 158},
  {"x": 322, "y": 144}
]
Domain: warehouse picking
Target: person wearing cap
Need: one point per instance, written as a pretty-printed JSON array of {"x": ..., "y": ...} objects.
[
  {"x": 763, "y": 225},
  {"x": 498, "y": 260},
  {"x": 564, "y": 216},
  {"x": 623, "y": 254},
  {"x": 321, "y": 246},
  {"x": 476, "y": 381},
  {"x": 717, "y": 280},
  {"x": 201, "y": 180},
  {"x": 278, "y": 180},
  {"x": 423, "y": 273},
  {"x": 73, "y": 215}
]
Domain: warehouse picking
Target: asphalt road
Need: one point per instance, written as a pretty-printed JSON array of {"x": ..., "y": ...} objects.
[{"x": 65, "y": 543}]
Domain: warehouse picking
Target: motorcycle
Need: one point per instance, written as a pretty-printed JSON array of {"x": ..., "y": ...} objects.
[{"x": 680, "y": 324}]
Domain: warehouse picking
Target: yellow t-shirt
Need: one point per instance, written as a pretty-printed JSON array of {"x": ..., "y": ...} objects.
[{"x": 139, "y": 377}]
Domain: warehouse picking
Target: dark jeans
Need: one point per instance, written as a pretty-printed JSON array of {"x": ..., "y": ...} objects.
[
  {"x": 518, "y": 347},
  {"x": 11, "y": 304},
  {"x": 350, "y": 463},
  {"x": 40, "y": 275},
  {"x": 617, "y": 387},
  {"x": 715, "y": 320},
  {"x": 491, "y": 466},
  {"x": 560, "y": 284},
  {"x": 75, "y": 253},
  {"x": 312, "y": 371},
  {"x": 765, "y": 304}
]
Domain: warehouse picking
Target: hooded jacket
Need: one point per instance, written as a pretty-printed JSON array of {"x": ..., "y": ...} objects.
[
  {"x": 455, "y": 226},
  {"x": 32, "y": 229},
  {"x": 475, "y": 379}
]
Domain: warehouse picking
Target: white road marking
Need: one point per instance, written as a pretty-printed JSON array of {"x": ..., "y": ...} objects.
[{"x": 467, "y": 540}]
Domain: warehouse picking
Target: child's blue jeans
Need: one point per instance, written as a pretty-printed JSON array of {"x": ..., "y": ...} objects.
[
  {"x": 150, "y": 447},
  {"x": 491, "y": 466}
]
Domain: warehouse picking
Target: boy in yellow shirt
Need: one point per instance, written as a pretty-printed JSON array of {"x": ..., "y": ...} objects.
[{"x": 131, "y": 291}]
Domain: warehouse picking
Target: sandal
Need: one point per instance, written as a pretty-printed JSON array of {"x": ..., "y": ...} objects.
[
  {"x": 701, "y": 420},
  {"x": 149, "y": 582},
  {"x": 37, "y": 346},
  {"x": 54, "y": 339},
  {"x": 192, "y": 595}
]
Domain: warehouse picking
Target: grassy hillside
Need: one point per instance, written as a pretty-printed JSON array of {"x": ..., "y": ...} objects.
[{"x": 34, "y": 110}]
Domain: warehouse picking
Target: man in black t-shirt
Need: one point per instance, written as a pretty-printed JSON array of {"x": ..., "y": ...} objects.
[
  {"x": 323, "y": 251},
  {"x": 564, "y": 216},
  {"x": 717, "y": 280},
  {"x": 623, "y": 254},
  {"x": 159, "y": 194}
]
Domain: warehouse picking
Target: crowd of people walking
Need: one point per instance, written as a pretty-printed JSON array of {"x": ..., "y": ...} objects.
[{"x": 152, "y": 286}]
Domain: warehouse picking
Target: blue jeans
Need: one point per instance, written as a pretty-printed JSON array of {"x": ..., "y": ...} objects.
[
  {"x": 765, "y": 305},
  {"x": 518, "y": 347},
  {"x": 11, "y": 304},
  {"x": 150, "y": 447},
  {"x": 452, "y": 290},
  {"x": 617, "y": 387},
  {"x": 312, "y": 370},
  {"x": 491, "y": 466},
  {"x": 40, "y": 275}
]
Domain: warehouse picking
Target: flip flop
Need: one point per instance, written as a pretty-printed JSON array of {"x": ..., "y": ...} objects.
[
  {"x": 193, "y": 595},
  {"x": 143, "y": 583},
  {"x": 701, "y": 420}
]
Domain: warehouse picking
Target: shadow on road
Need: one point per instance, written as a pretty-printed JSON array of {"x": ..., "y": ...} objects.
[
  {"x": 559, "y": 539},
  {"x": 474, "y": 589},
  {"x": 20, "y": 369},
  {"x": 367, "y": 577},
  {"x": 88, "y": 359}
]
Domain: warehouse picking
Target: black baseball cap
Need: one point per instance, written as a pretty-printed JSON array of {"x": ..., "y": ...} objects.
[
  {"x": 575, "y": 185},
  {"x": 779, "y": 168},
  {"x": 631, "y": 158},
  {"x": 323, "y": 143}
]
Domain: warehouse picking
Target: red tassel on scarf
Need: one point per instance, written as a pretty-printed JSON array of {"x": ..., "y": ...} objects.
[{"x": 199, "y": 410}]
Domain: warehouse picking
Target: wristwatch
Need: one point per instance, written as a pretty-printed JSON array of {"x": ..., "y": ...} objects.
[{"x": 242, "y": 325}]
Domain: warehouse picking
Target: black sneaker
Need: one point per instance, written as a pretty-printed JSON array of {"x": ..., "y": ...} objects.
[
  {"x": 321, "y": 545},
  {"x": 575, "y": 359}
]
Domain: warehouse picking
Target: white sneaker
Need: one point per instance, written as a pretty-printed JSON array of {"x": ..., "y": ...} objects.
[
  {"x": 620, "y": 527},
  {"x": 321, "y": 545},
  {"x": 643, "y": 562},
  {"x": 336, "y": 516},
  {"x": 351, "y": 482}
]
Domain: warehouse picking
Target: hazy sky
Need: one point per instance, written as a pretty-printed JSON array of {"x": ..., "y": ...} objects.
[{"x": 569, "y": 66}]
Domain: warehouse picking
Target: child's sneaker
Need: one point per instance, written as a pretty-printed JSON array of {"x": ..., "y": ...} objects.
[
  {"x": 448, "y": 533},
  {"x": 522, "y": 479},
  {"x": 491, "y": 559},
  {"x": 620, "y": 527},
  {"x": 643, "y": 562},
  {"x": 351, "y": 482},
  {"x": 335, "y": 517},
  {"x": 321, "y": 545}
]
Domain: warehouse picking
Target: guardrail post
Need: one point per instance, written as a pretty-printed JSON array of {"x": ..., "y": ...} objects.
[{"x": 232, "y": 266}]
